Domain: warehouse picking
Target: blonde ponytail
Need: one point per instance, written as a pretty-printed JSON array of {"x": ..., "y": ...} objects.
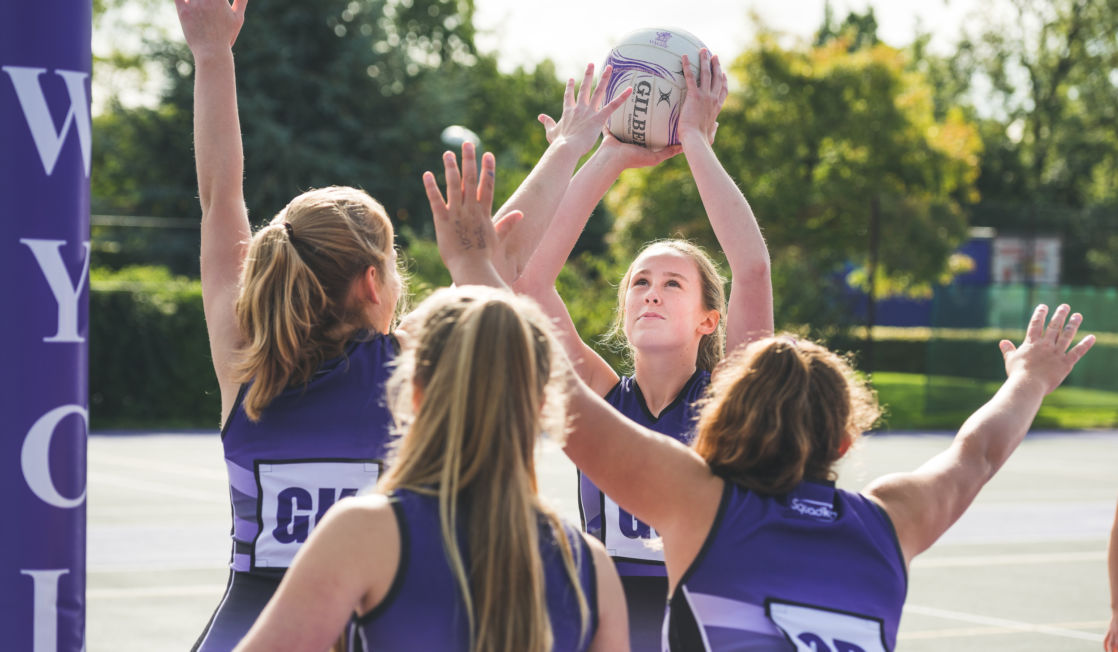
[
  {"x": 294, "y": 309},
  {"x": 483, "y": 362}
]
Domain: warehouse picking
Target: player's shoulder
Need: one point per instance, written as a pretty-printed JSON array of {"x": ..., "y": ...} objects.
[
  {"x": 598, "y": 554},
  {"x": 368, "y": 510}
]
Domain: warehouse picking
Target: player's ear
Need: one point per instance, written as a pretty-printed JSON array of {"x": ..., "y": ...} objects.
[{"x": 709, "y": 324}]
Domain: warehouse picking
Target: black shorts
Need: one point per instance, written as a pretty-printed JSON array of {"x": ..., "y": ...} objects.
[
  {"x": 647, "y": 599},
  {"x": 244, "y": 599}
]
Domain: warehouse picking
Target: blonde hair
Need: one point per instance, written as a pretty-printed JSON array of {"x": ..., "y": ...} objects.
[
  {"x": 293, "y": 308},
  {"x": 782, "y": 411},
  {"x": 712, "y": 285},
  {"x": 484, "y": 363}
]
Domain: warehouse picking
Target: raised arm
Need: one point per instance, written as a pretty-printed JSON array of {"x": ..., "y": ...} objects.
[
  {"x": 537, "y": 279},
  {"x": 569, "y": 139},
  {"x": 582, "y": 196},
  {"x": 211, "y": 27},
  {"x": 655, "y": 478},
  {"x": 750, "y": 310},
  {"x": 924, "y": 503}
]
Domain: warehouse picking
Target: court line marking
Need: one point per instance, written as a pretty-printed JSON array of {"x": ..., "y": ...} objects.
[
  {"x": 1003, "y": 623},
  {"x": 967, "y": 632},
  {"x": 171, "y": 567},
  {"x": 122, "y": 482},
  {"x": 201, "y": 471},
  {"x": 1010, "y": 560},
  {"x": 157, "y": 592}
]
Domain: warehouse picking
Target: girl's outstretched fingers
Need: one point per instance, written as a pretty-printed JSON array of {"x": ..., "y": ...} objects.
[
  {"x": 453, "y": 182},
  {"x": 584, "y": 91},
  {"x": 548, "y": 124},
  {"x": 485, "y": 185},
  {"x": 1067, "y": 334},
  {"x": 434, "y": 196},
  {"x": 717, "y": 77},
  {"x": 1079, "y": 350},
  {"x": 583, "y": 115},
  {"x": 469, "y": 172},
  {"x": 600, "y": 90},
  {"x": 1035, "y": 330},
  {"x": 1056, "y": 323}
]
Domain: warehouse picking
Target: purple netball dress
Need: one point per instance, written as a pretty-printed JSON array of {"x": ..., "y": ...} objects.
[
  {"x": 819, "y": 568},
  {"x": 626, "y": 538},
  {"x": 313, "y": 445},
  {"x": 423, "y": 609}
]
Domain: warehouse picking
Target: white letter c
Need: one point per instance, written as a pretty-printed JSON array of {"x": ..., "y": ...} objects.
[{"x": 35, "y": 456}]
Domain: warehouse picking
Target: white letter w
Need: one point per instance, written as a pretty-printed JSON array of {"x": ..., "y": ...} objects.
[{"x": 37, "y": 113}]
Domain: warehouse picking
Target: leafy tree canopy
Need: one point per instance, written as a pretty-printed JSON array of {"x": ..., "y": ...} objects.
[{"x": 814, "y": 135}]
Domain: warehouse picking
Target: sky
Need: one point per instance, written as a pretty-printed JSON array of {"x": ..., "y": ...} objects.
[
  {"x": 573, "y": 33},
  {"x": 584, "y": 30}
]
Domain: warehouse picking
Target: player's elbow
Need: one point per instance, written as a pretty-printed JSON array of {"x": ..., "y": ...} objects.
[
  {"x": 755, "y": 270},
  {"x": 976, "y": 464}
]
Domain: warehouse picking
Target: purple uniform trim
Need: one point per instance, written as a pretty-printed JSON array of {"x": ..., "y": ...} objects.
[
  {"x": 241, "y": 479},
  {"x": 732, "y": 614},
  {"x": 300, "y": 447},
  {"x": 819, "y": 565},
  {"x": 623, "y": 535},
  {"x": 423, "y": 609},
  {"x": 313, "y": 445}
]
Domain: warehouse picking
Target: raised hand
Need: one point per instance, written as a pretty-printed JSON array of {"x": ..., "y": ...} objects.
[
  {"x": 466, "y": 236},
  {"x": 1044, "y": 355},
  {"x": 583, "y": 116},
  {"x": 210, "y": 24},
  {"x": 627, "y": 155},
  {"x": 705, "y": 96}
]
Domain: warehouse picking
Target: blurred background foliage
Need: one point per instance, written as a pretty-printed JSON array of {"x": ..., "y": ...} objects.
[{"x": 864, "y": 162}]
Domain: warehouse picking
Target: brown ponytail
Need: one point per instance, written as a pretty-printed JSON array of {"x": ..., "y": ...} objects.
[{"x": 780, "y": 412}]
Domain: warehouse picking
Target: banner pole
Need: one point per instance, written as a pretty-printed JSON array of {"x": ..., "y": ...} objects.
[{"x": 45, "y": 155}]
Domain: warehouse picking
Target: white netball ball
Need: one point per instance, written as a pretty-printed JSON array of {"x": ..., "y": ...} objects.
[{"x": 651, "y": 61}]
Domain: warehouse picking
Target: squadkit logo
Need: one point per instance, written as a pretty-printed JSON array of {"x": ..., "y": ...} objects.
[{"x": 813, "y": 508}]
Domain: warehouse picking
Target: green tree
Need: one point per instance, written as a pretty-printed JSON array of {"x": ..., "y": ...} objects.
[
  {"x": 333, "y": 92},
  {"x": 1050, "y": 68},
  {"x": 820, "y": 139},
  {"x": 857, "y": 30},
  {"x": 1044, "y": 74}
]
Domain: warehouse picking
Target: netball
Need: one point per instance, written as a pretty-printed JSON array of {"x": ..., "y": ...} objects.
[{"x": 651, "y": 61}]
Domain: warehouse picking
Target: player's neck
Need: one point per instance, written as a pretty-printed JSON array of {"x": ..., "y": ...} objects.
[{"x": 661, "y": 377}]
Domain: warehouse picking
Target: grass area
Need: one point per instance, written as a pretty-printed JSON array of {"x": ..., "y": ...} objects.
[
  {"x": 916, "y": 401},
  {"x": 910, "y": 402}
]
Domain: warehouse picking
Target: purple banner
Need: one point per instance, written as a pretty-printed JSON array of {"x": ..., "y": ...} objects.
[{"x": 45, "y": 141}]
